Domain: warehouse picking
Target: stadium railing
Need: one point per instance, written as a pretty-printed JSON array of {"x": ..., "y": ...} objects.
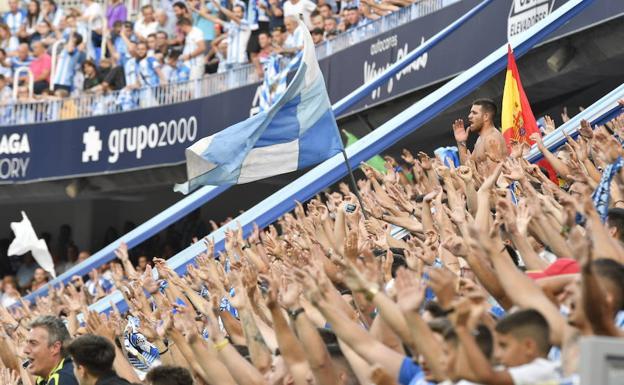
[
  {"x": 602, "y": 111},
  {"x": 86, "y": 104},
  {"x": 205, "y": 194},
  {"x": 380, "y": 139}
]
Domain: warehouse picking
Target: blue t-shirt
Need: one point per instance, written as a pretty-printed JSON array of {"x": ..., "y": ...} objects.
[
  {"x": 412, "y": 374},
  {"x": 147, "y": 71},
  {"x": 206, "y": 26},
  {"x": 179, "y": 74},
  {"x": 16, "y": 62},
  {"x": 122, "y": 50}
]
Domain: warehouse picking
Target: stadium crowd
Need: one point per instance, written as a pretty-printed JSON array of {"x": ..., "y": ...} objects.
[
  {"x": 102, "y": 49},
  {"x": 500, "y": 273}
]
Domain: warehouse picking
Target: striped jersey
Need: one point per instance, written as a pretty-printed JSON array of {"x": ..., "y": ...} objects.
[
  {"x": 16, "y": 62},
  {"x": 15, "y": 20},
  {"x": 253, "y": 14},
  {"x": 179, "y": 74},
  {"x": 66, "y": 68},
  {"x": 147, "y": 71},
  {"x": 130, "y": 71},
  {"x": 237, "y": 38}
]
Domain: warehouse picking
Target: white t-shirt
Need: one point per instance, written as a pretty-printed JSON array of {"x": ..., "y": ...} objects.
[
  {"x": 237, "y": 38},
  {"x": 191, "y": 42},
  {"x": 294, "y": 40},
  {"x": 538, "y": 371},
  {"x": 303, "y": 7},
  {"x": 92, "y": 10},
  {"x": 145, "y": 29}
]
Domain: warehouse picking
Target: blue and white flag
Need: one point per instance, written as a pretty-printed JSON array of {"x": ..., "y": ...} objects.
[
  {"x": 298, "y": 131},
  {"x": 275, "y": 79}
]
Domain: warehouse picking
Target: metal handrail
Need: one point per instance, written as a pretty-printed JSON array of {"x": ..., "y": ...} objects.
[
  {"x": 31, "y": 81},
  {"x": 54, "y": 58},
  {"x": 91, "y": 104}
]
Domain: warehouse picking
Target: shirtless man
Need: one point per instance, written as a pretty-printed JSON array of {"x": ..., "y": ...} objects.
[{"x": 490, "y": 145}]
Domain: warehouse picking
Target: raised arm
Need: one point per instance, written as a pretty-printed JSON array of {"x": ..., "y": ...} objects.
[
  {"x": 520, "y": 288},
  {"x": 290, "y": 348},
  {"x": 360, "y": 341},
  {"x": 229, "y": 14}
]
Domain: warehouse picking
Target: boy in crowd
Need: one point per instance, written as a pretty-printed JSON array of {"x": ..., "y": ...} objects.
[
  {"x": 93, "y": 358},
  {"x": 176, "y": 71},
  {"x": 523, "y": 343}
]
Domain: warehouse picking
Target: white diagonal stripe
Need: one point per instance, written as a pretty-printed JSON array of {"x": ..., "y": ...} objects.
[{"x": 263, "y": 162}]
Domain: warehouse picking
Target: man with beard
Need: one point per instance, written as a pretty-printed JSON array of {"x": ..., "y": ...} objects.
[{"x": 490, "y": 147}]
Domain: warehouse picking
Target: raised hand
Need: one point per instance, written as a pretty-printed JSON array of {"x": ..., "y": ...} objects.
[
  {"x": 455, "y": 245},
  {"x": 370, "y": 172},
  {"x": 99, "y": 325},
  {"x": 122, "y": 252},
  {"x": 407, "y": 156},
  {"x": 490, "y": 181},
  {"x": 165, "y": 324},
  {"x": 564, "y": 115},
  {"x": 409, "y": 290},
  {"x": 425, "y": 161},
  {"x": 443, "y": 282},
  {"x": 148, "y": 327},
  {"x": 523, "y": 217},
  {"x": 459, "y": 130},
  {"x": 465, "y": 173},
  {"x": 581, "y": 245},
  {"x": 289, "y": 294},
  {"x": 9, "y": 377},
  {"x": 72, "y": 299},
  {"x": 537, "y": 139},
  {"x": 549, "y": 124},
  {"x": 432, "y": 194},
  {"x": 462, "y": 312},
  {"x": 585, "y": 130},
  {"x": 147, "y": 280}
]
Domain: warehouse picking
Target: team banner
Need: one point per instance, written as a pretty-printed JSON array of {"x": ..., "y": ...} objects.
[{"x": 157, "y": 137}]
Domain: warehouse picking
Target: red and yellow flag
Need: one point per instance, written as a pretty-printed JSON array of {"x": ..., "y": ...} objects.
[{"x": 518, "y": 121}]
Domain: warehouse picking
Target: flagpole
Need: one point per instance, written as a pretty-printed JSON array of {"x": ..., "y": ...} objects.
[{"x": 354, "y": 185}]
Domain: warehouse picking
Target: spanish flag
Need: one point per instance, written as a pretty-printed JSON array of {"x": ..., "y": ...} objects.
[{"x": 518, "y": 121}]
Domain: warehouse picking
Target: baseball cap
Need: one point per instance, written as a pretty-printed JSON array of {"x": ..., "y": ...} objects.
[{"x": 559, "y": 267}]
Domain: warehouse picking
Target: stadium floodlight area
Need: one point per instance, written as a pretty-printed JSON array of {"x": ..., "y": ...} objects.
[
  {"x": 598, "y": 113},
  {"x": 602, "y": 360},
  {"x": 206, "y": 194},
  {"x": 375, "y": 142}
]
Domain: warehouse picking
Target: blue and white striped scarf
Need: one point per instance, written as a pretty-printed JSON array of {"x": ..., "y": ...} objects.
[
  {"x": 275, "y": 79},
  {"x": 602, "y": 194},
  {"x": 142, "y": 354}
]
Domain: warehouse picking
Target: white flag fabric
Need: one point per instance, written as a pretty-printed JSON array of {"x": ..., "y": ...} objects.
[{"x": 26, "y": 240}]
